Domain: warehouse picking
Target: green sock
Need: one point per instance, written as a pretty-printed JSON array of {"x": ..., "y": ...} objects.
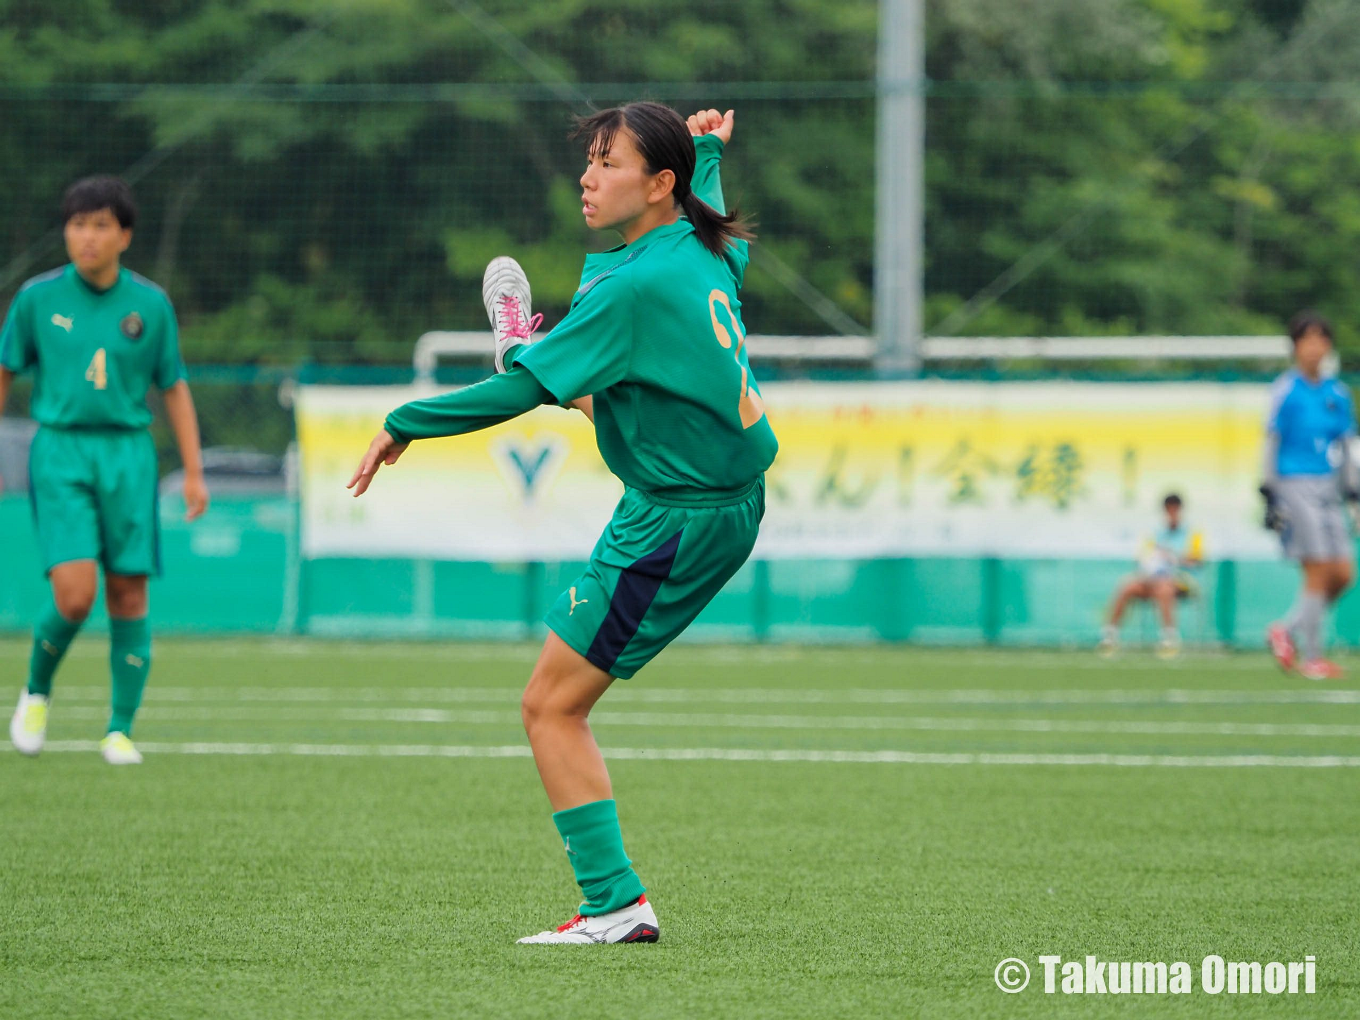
[
  {"x": 130, "y": 661},
  {"x": 594, "y": 845},
  {"x": 51, "y": 637}
]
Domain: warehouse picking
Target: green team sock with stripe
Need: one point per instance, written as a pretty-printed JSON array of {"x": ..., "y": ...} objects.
[
  {"x": 130, "y": 662},
  {"x": 594, "y": 845},
  {"x": 51, "y": 637}
]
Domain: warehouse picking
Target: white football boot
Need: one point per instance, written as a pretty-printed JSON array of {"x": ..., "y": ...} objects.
[
  {"x": 117, "y": 749},
  {"x": 1109, "y": 642},
  {"x": 509, "y": 306},
  {"x": 28, "y": 727},
  {"x": 634, "y": 923},
  {"x": 1169, "y": 646}
]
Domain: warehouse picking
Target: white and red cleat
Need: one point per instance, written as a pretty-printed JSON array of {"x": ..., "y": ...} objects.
[
  {"x": 1320, "y": 669},
  {"x": 634, "y": 923},
  {"x": 1281, "y": 646}
]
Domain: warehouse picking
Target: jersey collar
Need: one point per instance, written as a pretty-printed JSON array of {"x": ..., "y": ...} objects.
[
  {"x": 90, "y": 289},
  {"x": 598, "y": 264},
  {"x": 680, "y": 226}
]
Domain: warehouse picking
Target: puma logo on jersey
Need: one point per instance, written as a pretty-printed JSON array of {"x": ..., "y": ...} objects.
[
  {"x": 574, "y": 603},
  {"x": 62, "y": 321}
]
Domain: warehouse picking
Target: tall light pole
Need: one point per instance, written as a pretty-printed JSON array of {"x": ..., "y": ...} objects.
[{"x": 899, "y": 219}]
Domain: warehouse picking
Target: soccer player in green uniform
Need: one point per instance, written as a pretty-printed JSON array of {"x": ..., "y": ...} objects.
[
  {"x": 652, "y": 349},
  {"x": 97, "y": 337}
]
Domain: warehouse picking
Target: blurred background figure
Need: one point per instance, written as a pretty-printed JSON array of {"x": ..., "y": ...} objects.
[
  {"x": 1308, "y": 471},
  {"x": 1168, "y": 569},
  {"x": 97, "y": 338}
]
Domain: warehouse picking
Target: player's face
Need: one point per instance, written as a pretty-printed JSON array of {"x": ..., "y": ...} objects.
[
  {"x": 616, "y": 188},
  {"x": 1173, "y": 516},
  {"x": 1309, "y": 351},
  {"x": 94, "y": 240}
]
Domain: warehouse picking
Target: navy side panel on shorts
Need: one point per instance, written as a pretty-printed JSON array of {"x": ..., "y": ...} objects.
[
  {"x": 633, "y": 596},
  {"x": 156, "y": 526},
  {"x": 32, "y": 488}
]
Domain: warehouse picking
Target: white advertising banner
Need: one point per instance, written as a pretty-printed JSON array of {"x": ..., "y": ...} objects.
[{"x": 864, "y": 470}]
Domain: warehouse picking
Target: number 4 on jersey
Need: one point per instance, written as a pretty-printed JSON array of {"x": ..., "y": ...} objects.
[
  {"x": 749, "y": 405},
  {"x": 98, "y": 372}
]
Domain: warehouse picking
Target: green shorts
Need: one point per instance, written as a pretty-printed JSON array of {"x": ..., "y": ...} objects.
[
  {"x": 653, "y": 570},
  {"x": 94, "y": 494}
]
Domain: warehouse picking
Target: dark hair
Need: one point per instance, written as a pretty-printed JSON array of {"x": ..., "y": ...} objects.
[
  {"x": 1171, "y": 500},
  {"x": 90, "y": 194},
  {"x": 664, "y": 141},
  {"x": 1306, "y": 321}
]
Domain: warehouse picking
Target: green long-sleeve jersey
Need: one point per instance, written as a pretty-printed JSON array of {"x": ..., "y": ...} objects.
[{"x": 654, "y": 333}]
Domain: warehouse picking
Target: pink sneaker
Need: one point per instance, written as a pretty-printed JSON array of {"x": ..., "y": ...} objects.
[
  {"x": 1281, "y": 646},
  {"x": 1320, "y": 669}
]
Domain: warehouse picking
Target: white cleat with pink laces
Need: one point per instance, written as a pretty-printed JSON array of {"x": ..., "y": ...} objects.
[{"x": 509, "y": 306}]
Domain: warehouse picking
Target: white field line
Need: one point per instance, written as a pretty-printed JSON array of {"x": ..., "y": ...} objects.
[
  {"x": 621, "y": 692},
  {"x": 95, "y": 646},
  {"x": 738, "y": 754},
  {"x": 663, "y": 720},
  {"x": 920, "y": 657}
]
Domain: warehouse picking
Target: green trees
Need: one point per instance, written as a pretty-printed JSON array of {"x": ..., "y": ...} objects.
[
  {"x": 1176, "y": 166},
  {"x": 325, "y": 181}
]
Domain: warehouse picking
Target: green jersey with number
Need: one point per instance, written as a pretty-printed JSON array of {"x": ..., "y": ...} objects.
[
  {"x": 94, "y": 353},
  {"x": 655, "y": 334}
]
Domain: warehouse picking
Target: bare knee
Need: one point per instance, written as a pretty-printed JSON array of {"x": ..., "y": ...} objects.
[
  {"x": 1317, "y": 576},
  {"x": 532, "y": 708},
  {"x": 1344, "y": 575},
  {"x": 1135, "y": 590},
  {"x": 563, "y": 688},
  {"x": 74, "y": 604},
  {"x": 74, "y": 586},
  {"x": 126, "y": 597},
  {"x": 545, "y": 703}
]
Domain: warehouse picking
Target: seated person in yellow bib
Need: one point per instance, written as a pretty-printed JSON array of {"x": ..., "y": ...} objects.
[{"x": 1168, "y": 568}]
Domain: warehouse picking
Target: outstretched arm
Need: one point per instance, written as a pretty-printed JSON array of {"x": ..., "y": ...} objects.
[
  {"x": 488, "y": 403},
  {"x": 586, "y": 404},
  {"x": 712, "y": 131}
]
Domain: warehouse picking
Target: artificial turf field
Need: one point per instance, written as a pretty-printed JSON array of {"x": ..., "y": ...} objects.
[{"x": 328, "y": 830}]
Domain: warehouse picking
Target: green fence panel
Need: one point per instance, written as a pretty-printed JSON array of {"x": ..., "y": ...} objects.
[
  {"x": 237, "y": 571},
  {"x": 22, "y": 587},
  {"x": 227, "y": 572}
]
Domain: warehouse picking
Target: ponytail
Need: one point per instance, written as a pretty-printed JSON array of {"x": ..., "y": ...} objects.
[
  {"x": 715, "y": 230},
  {"x": 665, "y": 143}
]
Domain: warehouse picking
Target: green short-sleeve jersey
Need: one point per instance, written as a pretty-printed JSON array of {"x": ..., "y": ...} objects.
[
  {"x": 655, "y": 335},
  {"x": 94, "y": 353}
]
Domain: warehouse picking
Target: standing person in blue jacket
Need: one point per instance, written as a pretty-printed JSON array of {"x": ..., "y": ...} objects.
[{"x": 1308, "y": 474}]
